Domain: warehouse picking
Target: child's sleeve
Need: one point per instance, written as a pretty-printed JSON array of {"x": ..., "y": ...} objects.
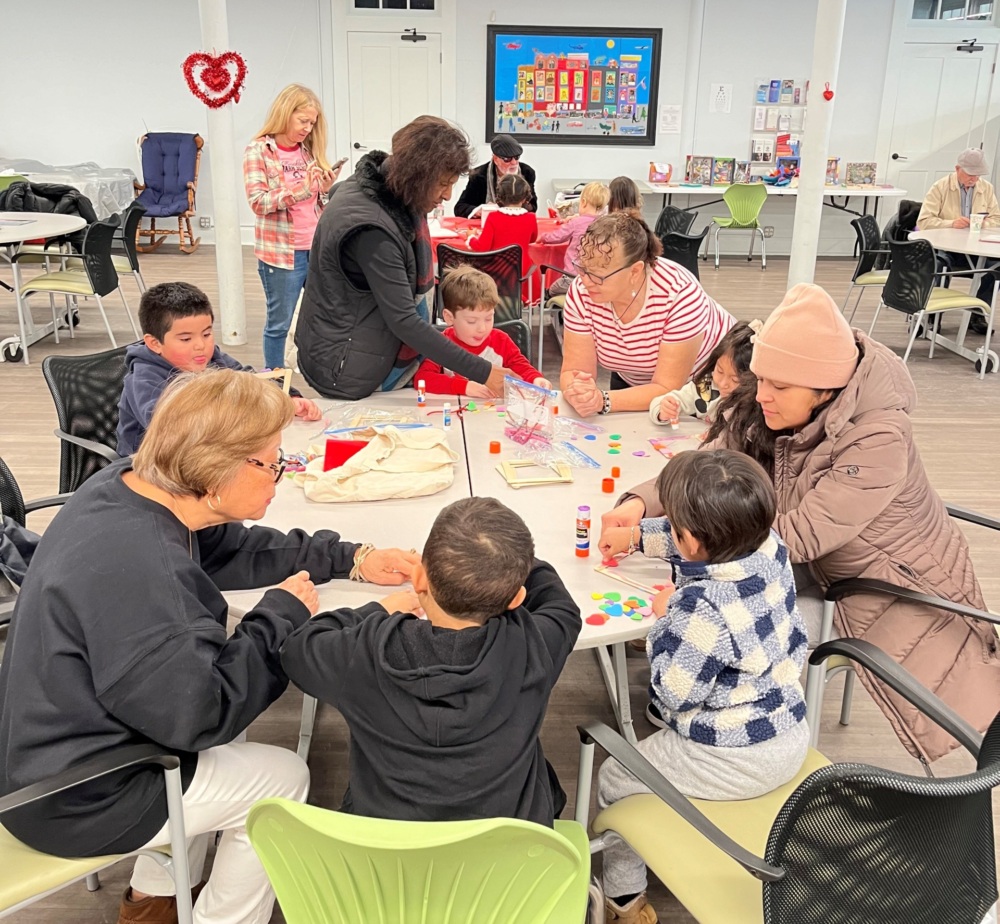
[
  {"x": 437, "y": 381},
  {"x": 553, "y": 611},
  {"x": 483, "y": 240},
  {"x": 689, "y": 647},
  {"x": 534, "y": 227},
  {"x": 655, "y": 538},
  {"x": 685, "y": 396},
  {"x": 513, "y": 358},
  {"x": 557, "y": 235}
]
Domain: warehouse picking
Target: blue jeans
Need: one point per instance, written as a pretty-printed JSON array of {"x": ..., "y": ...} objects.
[{"x": 281, "y": 292}]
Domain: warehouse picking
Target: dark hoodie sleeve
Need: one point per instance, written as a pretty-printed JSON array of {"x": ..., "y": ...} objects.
[
  {"x": 474, "y": 193},
  {"x": 317, "y": 656},
  {"x": 238, "y": 558},
  {"x": 552, "y": 611}
]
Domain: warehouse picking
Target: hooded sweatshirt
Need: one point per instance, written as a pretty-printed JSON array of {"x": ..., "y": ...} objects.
[
  {"x": 444, "y": 723},
  {"x": 148, "y": 374}
]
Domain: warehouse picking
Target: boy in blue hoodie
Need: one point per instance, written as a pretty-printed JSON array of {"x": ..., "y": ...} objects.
[
  {"x": 444, "y": 713},
  {"x": 176, "y": 320},
  {"x": 725, "y": 654}
]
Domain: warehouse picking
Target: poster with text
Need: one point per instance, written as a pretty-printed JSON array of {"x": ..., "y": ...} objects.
[{"x": 586, "y": 86}]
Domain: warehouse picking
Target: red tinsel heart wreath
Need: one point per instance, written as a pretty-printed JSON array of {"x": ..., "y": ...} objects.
[{"x": 222, "y": 83}]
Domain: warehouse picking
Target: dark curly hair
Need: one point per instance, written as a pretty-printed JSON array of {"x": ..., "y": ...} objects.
[
  {"x": 625, "y": 228},
  {"x": 424, "y": 152}
]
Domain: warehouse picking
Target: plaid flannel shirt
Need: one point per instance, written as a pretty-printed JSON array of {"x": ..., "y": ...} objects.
[
  {"x": 270, "y": 199},
  {"x": 725, "y": 660}
]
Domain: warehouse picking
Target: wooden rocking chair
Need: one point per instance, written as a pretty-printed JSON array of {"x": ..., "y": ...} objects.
[{"x": 170, "y": 162}]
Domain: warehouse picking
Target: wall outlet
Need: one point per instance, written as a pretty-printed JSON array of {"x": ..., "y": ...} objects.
[
  {"x": 768, "y": 230},
  {"x": 206, "y": 222}
]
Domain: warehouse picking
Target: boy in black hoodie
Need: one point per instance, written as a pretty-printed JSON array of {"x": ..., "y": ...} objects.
[{"x": 445, "y": 712}]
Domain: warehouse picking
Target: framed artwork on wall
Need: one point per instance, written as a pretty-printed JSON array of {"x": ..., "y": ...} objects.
[{"x": 552, "y": 85}]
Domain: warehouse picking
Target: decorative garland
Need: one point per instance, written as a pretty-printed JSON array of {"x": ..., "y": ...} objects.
[{"x": 212, "y": 80}]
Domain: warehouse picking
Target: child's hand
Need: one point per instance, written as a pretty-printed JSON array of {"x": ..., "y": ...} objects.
[
  {"x": 659, "y": 604},
  {"x": 476, "y": 390},
  {"x": 669, "y": 410},
  {"x": 615, "y": 540},
  {"x": 402, "y": 601},
  {"x": 306, "y": 409},
  {"x": 542, "y": 383}
]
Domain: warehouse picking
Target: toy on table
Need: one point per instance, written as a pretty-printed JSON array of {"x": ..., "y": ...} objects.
[
  {"x": 514, "y": 474},
  {"x": 669, "y": 446},
  {"x": 284, "y": 375},
  {"x": 612, "y": 605},
  {"x": 529, "y": 410},
  {"x": 604, "y": 567}
]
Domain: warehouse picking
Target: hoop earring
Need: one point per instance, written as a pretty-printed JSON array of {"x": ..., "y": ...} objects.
[{"x": 211, "y": 506}]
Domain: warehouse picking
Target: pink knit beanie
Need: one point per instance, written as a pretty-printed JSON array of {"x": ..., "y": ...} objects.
[{"x": 806, "y": 341}]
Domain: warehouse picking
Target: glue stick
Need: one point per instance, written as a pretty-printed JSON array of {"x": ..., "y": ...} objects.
[
  {"x": 446, "y": 415},
  {"x": 582, "y": 532},
  {"x": 421, "y": 393}
]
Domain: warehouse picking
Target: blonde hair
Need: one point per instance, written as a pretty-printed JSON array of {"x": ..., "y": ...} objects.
[
  {"x": 293, "y": 98},
  {"x": 466, "y": 287},
  {"x": 204, "y": 428},
  {"x": 596, "y": 195}
]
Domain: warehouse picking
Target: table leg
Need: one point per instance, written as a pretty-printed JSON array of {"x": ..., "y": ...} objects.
[
  {"x": 306, "y": 724},
  {"x": 612, "y": 662}
]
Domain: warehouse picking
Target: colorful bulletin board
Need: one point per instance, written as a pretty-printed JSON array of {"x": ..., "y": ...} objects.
[{"x": 548, "y": 85}]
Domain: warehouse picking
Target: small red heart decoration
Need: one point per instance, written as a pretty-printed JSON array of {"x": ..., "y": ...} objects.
[
  {"x": 828, "y": 93},
  {"x": 215, "y": 79}
]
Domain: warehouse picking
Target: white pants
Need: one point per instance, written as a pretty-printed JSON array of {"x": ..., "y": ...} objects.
[{"x": 229, "y": 779}]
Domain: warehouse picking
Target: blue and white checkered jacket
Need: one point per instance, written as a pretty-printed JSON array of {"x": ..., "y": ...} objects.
[{"x": 726, "y": 658}]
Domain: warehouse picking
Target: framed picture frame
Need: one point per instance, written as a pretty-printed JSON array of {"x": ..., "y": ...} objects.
[
  {"x": 861, "y": 173},
  {"x": 561, "y": 85}
]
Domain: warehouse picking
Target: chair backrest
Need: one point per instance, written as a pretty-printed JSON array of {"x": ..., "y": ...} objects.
[
  {"x": 502, "y": 266},
  {"x": 11, "y": 499},
  {"x": 86, "y": 390},
  {"x": 911, "y": 276},
  {"x": 96, "y": 255},
  {"x": 860, "y": 843},
  {"x": 131, "y": 218},
  {"x": 332, "y": 868},
  {"x": 869, "y": 241},
  {"x": 170, "y": 161},
  {"x": 674, "y": 220},
  {"x": 745, "y": 200},
  {"x": 683, "y": 249}
]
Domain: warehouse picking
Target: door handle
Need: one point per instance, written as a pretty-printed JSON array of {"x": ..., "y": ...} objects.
[
  {"x": 358, "y": 146},
  {"x": 894, "y": 156}
]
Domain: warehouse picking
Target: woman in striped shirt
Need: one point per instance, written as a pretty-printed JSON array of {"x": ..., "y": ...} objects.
[{"x": 646, "y": 320}]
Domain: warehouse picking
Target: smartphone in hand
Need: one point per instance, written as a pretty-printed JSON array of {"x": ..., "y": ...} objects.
[{"x": 340, "y": 163}]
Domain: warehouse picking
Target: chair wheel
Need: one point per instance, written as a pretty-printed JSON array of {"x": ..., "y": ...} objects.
[
  {"x": 12, "y": 354},
  {"x": 72, "y": 316},
  {"x": 990, "y": 365}
]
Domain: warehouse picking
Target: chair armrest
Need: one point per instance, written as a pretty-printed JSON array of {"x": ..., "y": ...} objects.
[
  {"x": 618, "y": 748},
  {"x": 40, "y": 503},
  {"x": 840, "y": 589},
  {"x": 970, "y": 516},
  {"x": 878, "y": 663},
  {"x": 137, "y": 186},
  {"x": 556, "y": 269},
  {"x": 986, "y": 271},
  {"x": 92, "y": 769},
  {"x": 106, "y": 451}
]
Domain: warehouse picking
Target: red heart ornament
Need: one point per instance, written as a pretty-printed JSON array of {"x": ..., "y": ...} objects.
[
  {"x": 828, "y": 93},
  {"x": 215, "y": 79}
]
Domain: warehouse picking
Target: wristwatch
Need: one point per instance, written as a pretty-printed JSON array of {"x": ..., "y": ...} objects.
[{"x": 607, "y": 403}]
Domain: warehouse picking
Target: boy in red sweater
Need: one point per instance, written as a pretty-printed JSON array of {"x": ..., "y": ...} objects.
[{"x": 470, "y": 298}]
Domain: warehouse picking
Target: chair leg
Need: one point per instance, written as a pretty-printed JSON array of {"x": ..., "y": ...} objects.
[
  {"x": 913, "y": 335},
  {"x": 93, "y": 882},
  {"x": 128, "y": 312},
  {"x": 717, "y": 230},
  {"x": 763, "y": 251},
  {"x": 69, "y": 317},
  {"x": 139, "y": 281},
  {"x": 816, "y": 677},
  {"x": 935, "y": 326},
  {"x": 22, "y": 307},
  {"x": 55, "y": 320},
  {"x": 878, "y": 308},
  {"x": 847, "y": 300},
  {"x": 753, "y": 238},
  {"x": 857, "y": 303},
  {"x": 306, "y": 723},
  {"x": 100, "y": 304},
  {"x": 845, "y": 703},
  {"x": 989, "y": 336}
]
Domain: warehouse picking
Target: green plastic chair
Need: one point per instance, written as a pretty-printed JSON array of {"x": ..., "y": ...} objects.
[
  {"x": 744, "y": 201},
  {"x": 332, "y": 868}
]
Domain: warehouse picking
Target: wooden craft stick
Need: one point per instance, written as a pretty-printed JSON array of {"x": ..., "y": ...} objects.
[{"x": 615, "y": 576}]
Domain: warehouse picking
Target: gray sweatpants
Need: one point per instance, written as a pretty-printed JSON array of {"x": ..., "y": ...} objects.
[{"x": 701, "y": 772}]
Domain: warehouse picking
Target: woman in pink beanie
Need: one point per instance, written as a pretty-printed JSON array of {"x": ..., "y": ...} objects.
[{"x": 826, "y": 412}]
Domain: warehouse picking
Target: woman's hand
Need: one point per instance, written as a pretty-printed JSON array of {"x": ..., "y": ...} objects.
[
  {"x": 583, "y": 395},
  {"x": 388, "y": 566},
  {"x": 624, "y": 515},
  {"x": 402, "y": 601},
  {"x": 616, "y": 541},
  {"x": 659, "y": 604},
  {"x": 306, "y": 409},
  {"x": 669, "y": 409},
  {"x": 475, "y": 390},
  {"x": 303, "y": 589},
  {"x": 322, "y": 180},
  {"x": 495, "y": 382}
]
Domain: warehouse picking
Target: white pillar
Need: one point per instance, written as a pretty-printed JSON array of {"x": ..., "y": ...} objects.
[
  {"x": 816, "y": 141},
  {"x": 692, "y": 86},
  {"x": 227, "y": 186}
]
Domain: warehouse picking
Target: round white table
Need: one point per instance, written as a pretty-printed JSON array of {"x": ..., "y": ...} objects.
[{"x": 15, "y": 229}]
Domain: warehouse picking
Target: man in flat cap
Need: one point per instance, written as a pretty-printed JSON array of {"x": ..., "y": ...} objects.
[
  {"x": 949, "y": 204},
  {"x": 482, "y": 185}
]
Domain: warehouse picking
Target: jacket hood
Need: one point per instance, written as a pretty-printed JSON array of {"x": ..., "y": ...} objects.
[
  {"x": 451, "y": 687},
  {"x": 767, "y": 561},
  {"x": 370, "y": 176},
  {"x": 140, "y": 353}
]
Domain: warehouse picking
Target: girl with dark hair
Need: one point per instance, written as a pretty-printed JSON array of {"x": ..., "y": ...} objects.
[
  {"x": 511, "y": 223},
  {"x": 624, "y": 195},
  {"x": 645, "y": 319},
  {"x": 363, "y": 324}
]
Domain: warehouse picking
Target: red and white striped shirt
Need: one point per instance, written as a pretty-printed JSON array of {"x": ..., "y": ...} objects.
[{"x": 676, "y": 309}]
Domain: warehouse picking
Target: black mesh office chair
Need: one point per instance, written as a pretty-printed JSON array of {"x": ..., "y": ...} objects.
[
  {"x": 86, "y": 390},
  {"x": 870, "y": 252},
  {"x": 683, "y": 249},
  {"x": 673, "y": 220}
]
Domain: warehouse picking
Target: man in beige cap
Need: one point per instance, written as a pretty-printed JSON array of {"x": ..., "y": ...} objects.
[{"x": 950, "y": 202}]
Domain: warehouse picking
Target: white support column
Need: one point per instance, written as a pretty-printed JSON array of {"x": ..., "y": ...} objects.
[
  {"x": 819, "y": 116},
  {"x": 227, "y": 186}
]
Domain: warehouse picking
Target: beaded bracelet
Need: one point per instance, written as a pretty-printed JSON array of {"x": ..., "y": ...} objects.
[
  {"x": 632, "y": 547},
  {"x": 359, "y": 559},
  {"x": 606, "y": 409}
]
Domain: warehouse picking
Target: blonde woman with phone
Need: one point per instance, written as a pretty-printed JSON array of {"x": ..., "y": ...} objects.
[{"x": 287, "y": 178}]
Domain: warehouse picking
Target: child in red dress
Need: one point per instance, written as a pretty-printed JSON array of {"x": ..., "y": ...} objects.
[{"x": 511, "y": 223}]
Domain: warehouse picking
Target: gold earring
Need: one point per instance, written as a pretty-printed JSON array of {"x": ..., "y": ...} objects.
[{"x": 211, "y": 506}]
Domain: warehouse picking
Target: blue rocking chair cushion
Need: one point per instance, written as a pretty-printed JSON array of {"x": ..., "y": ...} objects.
[{"x": 168, "y": 165}]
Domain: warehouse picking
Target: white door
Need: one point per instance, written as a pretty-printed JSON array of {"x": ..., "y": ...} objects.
[
  {"x": 392, "y": 81},
  {"x": 941, "y": 109}
]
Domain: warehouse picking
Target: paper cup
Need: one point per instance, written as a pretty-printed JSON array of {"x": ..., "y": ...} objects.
[{"x": 976, "y": 220}]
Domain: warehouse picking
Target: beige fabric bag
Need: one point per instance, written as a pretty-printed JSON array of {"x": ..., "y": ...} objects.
[{"x": 395, "y": 463}]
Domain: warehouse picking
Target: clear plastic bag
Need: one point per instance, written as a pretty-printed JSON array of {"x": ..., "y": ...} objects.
[{"x": 530, "y": 411}]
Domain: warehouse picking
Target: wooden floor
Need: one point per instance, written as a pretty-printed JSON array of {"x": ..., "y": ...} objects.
[{"x": 957, "y": 426}]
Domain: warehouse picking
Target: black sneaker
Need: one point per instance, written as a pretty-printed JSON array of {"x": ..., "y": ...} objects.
[
  {"x": 977, "y": 323},
  {"x": 654, "y": 717}
]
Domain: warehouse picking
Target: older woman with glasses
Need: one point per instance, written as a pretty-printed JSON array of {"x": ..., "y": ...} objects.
[
  {"x": 119, "y": 638},
  {"x": 482, "y": 185},
  {"x": 646, "y": 320}
]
